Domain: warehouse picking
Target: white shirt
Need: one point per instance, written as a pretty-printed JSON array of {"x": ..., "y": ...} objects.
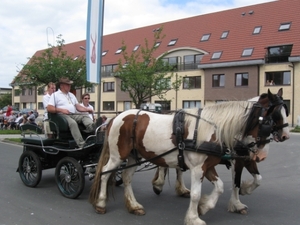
[
  {"x": 61, "y": 100},
  {"x": 46, "y": 99},
  {"x": 88, "y": 107}
]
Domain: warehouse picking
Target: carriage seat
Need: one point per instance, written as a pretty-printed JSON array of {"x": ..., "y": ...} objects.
[
  {"x": 32, "y": 134},
  {"x": 60, "y": 127}
]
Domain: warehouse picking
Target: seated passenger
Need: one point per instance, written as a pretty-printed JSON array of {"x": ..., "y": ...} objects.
[
  {"x": 51, "y": 88},
  {"x": 86, "y": 103},
  {"x": 65, "y": 103}
]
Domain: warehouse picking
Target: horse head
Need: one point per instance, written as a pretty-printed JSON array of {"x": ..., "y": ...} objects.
[{"x": 268, "y": 116}]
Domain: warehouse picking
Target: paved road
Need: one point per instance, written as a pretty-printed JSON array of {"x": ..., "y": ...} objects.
[{"x": 276, "y": 201}]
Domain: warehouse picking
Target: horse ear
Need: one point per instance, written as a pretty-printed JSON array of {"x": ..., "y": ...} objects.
[
  {"x": 270, "y": 95},
  {"x": 280, "y": 92}
]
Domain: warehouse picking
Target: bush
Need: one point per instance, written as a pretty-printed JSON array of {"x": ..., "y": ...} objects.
[{"x": 296, "y": 129}]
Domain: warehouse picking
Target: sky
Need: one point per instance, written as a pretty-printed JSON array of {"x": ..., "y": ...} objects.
[{"x": 29, "y": 25}]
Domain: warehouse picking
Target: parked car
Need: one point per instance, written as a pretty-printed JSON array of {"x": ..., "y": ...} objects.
[{"x": 26, "y": 111}]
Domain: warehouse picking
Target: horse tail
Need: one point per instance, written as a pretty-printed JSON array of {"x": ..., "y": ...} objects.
[{"x": 104, "y": 157}]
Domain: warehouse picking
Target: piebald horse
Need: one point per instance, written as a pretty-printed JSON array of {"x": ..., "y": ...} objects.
[
  {"x": 280, "y": 132},
  {"x": 136, "y": 134}
]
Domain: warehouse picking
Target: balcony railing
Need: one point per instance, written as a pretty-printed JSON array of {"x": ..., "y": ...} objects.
[{"x": 175, "y": 67}]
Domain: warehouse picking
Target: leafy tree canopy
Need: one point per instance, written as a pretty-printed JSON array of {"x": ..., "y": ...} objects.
[
  {"x": 5, "y": 99},
  {"x": 144, "y": 76},
  {"x": 51, "y": 64}
]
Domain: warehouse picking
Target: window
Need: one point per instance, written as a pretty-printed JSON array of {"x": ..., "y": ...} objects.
[
  {"x": 278, "y": 78},
  {"x": 172, "y": 61},
  {"x": 191, "y": 61},
  {"x": 191, "y": 82},
  {"x": 136, "y": 48},
  {"x": 216, "y": 55},
  {"x": 172, "y": 42},
  {"x": 118, "y": 51},
  {"x": 224, "y": 34},
  {"x": 218, "y": 80},
  {"x": 108, "y": 106},
  {"x": 164, "y": 84},
  {"x": 205, "y": 37},
  {"x": 40, "y": 105},
  {"x": 247, "y": 52},
  {"x": 256, "y": 30},
  {"x": 279, "y": 53},
  {"x": 104, "y": 53},
  {"x": 191, "y": 104},
  {"x": 92, "y": 103},
  {"x": 165, "y": 105},
  {"x": 157, "y": 44},
  {"x": 30, "y": 91},
  {"x": 108, "y": 86},
  {"x": 284, "y": 26},
  {"x": 17, "y": 92},
  {"x": 127, "y": 105},
  {"x": 108, "y": 70},
  {"x": 241, "y": 79},
  {"x": 23, "y": 91},
  {"x": 41, "y": 91},
  {"x": 90, "y": 89}
]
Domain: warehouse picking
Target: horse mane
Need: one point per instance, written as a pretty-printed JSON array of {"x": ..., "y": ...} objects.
[{"x": 223, "y": 122}]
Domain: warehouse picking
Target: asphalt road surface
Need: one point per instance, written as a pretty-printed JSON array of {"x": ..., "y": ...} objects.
[{"x": 276, "y": 201}]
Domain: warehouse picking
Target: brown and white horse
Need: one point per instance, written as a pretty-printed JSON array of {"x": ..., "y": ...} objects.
[
  {"x": 136, "y": 134},
  {"x": 280, "y": 133}
]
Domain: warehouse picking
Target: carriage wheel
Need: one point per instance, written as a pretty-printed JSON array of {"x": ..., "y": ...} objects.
[
  {"x": 69, "y": 177},
  {"x": 30, "y": 168},
  {"x": 118, "y": 176}
]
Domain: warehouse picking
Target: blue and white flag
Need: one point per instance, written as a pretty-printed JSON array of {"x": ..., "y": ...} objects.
[{"x": 94, "y": 35}]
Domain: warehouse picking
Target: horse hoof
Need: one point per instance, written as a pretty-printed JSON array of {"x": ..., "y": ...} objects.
[
  {"x": 243, "y": 212},
  {"x": 139, "y": 212},
  {"x": 100, "y": 210},
  {"x": 156, "y": 190}
]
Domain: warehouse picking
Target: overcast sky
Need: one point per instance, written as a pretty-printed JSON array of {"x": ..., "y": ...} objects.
[{"x": 28, "y": 25}]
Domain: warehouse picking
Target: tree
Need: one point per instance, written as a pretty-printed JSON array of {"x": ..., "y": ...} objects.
[
  {"x": 5, "y": 100},
  {"x": 144, "y": 76},
  {"x": 52, "y": 64}
]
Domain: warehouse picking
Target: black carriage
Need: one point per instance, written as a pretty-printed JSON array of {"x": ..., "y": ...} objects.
[{"x": 71, "y": 164}]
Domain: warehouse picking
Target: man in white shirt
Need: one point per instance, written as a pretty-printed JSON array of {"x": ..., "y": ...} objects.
[
  {"x": 66, "y": 104},
  {"x": 50, "y": 89}
]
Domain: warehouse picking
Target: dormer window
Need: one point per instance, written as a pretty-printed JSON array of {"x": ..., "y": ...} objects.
[
  {"x": 205, "y": 37},
  {"x": 172, "y": 42},
  {"x": 285, "y": 26},
  {"x": 118, "y": 51},
  {"x": 104, "y": 53}
]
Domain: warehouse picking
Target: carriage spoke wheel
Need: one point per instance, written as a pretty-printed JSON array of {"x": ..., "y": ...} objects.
[
  {"x": 69, "y": 177},
  {"x": 30, "y": 168}
]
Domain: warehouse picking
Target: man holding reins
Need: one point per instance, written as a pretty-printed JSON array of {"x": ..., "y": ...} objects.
[{"x": 65, "y": 103}]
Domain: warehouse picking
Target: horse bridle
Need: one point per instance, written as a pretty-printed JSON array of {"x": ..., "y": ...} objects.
[{"x": 266, "y": 124}]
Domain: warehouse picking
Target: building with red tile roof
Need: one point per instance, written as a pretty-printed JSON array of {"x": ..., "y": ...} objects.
[{"x": 227, "y": 55}]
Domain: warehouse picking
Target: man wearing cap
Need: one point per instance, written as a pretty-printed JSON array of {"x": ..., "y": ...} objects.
[{"x": 66, "y": 104}]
